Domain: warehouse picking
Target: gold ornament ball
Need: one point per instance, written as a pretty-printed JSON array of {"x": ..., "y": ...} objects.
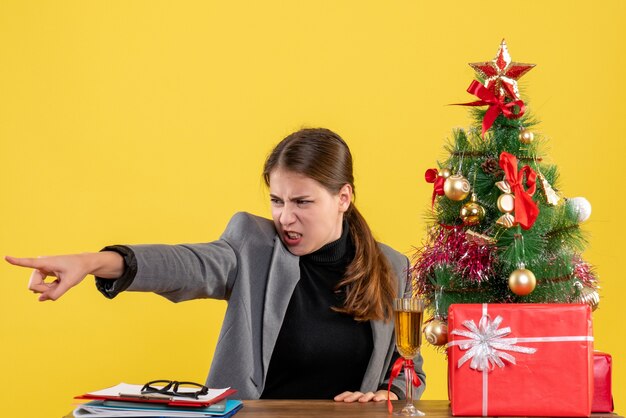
[
  {"x": 445, "y": 173},
  {"x": 456, "y": 187},
  {"x": 522, "y": 282},
  {"x": 526, "y": 136},
  {"x": 472, "y": 213},
  {"x": 436, "y": 332}
]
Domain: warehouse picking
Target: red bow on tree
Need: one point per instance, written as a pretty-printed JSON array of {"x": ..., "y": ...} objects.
[
  {"x": 432, "y": 176},
  {"x": 496, "y": 104},
  {"x": 526, "y": 210},
  {"x": 409, "y": 366}
]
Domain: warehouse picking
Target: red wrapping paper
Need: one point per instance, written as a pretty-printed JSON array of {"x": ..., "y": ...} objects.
[
  {"x": 602, "y": 392},
  {"x": 555, "y": 380}
]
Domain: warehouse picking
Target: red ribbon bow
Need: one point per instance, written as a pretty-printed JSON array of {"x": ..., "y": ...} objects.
[
  {"x": 526, "y": 209},
  {"x": 432, "y": 176},
  {"x": 496, "y": 104},
  {"x": 395, "y": 371}
]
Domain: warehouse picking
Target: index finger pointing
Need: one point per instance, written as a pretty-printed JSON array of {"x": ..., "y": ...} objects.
[{"x": 24, "y": 262}]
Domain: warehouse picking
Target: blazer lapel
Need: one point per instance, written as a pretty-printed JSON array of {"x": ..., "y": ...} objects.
[{"x": 283, "y": 276}]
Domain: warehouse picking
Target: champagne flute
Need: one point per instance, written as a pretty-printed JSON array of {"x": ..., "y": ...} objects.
[{"x": 408, "y": 314}]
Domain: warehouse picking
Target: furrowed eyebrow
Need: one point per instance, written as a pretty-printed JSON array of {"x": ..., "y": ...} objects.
[{"x": 306, "y": 197}]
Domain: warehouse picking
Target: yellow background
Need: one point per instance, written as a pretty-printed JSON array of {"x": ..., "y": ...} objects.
[{"x": 148, "y": 121}]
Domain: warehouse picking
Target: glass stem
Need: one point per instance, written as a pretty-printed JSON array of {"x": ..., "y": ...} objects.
[{"x": 408, "y": 376}]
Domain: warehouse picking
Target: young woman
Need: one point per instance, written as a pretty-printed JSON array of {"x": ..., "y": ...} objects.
[{"x": 309, "y": 294}]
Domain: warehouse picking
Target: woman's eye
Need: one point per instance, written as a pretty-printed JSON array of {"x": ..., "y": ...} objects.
[
  {"x": 276, "y": 202},
  {"x": 302, "y": 202}
]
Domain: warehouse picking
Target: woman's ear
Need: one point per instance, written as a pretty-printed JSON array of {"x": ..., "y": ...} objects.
[{"x": 345, "y": 197}]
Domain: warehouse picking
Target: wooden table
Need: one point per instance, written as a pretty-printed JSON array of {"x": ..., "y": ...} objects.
[
  {"x": 331, "y": 409},
  {"x": 317, "y": 409}
]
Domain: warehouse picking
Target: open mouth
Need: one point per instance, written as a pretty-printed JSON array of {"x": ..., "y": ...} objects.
[{"x": 292, "y": 237}]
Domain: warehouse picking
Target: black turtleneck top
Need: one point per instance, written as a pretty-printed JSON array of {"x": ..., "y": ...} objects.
[{"x": 319, "y": 353}]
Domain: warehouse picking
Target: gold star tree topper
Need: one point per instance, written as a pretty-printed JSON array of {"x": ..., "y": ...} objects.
[{"x": 501, "y": 74}]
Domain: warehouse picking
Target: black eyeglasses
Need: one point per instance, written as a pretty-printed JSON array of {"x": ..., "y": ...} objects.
[{"x": 175, "y": 388}]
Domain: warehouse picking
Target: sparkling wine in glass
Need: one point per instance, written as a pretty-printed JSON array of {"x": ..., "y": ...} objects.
[{"x": 408, "y": 313}]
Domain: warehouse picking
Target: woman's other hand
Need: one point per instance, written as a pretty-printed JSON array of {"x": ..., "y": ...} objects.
[{"x": 377, "y": 396}]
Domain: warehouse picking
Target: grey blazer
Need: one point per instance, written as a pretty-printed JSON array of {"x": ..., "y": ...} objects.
[{"x": 251, "y": 269}]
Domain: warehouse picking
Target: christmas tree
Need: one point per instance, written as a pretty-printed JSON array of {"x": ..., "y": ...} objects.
[{"x": 498, "y": 229}]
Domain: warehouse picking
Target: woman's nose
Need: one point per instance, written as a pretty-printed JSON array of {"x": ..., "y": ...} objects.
[{"x": 287, "y": 215}]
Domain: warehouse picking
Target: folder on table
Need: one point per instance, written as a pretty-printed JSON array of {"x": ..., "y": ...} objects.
[{"x": 111, "y": 409}]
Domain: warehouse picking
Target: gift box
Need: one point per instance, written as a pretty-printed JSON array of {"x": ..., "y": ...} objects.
[
  {"x": 520, "y": 359},
  {"x": 602, "y": 392}
]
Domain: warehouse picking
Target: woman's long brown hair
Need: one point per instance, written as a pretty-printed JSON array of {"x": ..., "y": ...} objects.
[{"x": 322, "y": 155}]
